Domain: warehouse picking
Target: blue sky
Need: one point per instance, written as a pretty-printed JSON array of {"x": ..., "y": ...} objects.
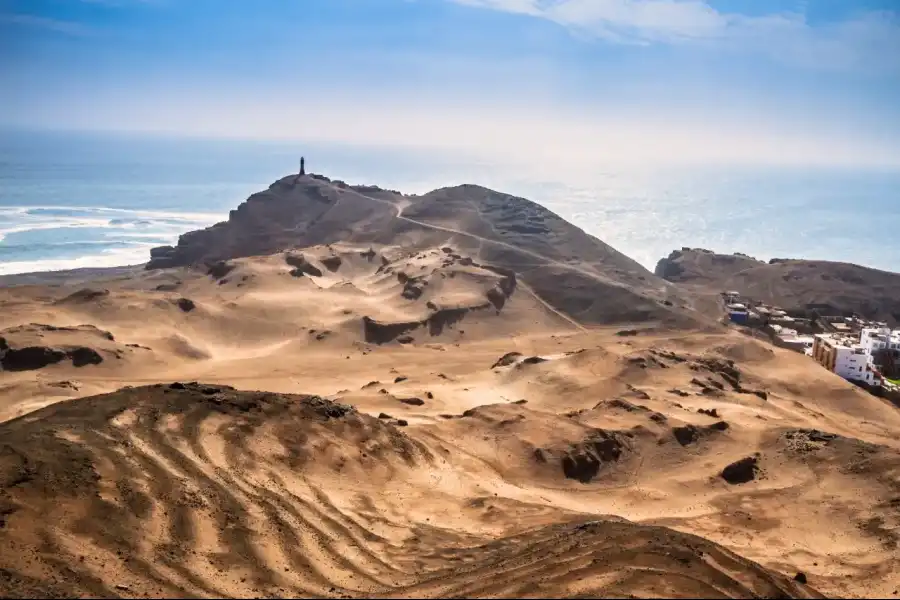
[{"x": 570, "y": 81}]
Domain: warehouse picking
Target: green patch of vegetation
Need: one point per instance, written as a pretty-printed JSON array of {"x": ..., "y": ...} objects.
[{"x": 895, "y": 381}]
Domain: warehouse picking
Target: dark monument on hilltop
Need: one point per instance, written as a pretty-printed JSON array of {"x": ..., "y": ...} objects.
[{"x": 302, "y": 171}]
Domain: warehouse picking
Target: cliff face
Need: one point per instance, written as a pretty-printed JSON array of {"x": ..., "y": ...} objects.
[
  {"x": 800, "y": 286},
  {"x": 569, "y": 269}
]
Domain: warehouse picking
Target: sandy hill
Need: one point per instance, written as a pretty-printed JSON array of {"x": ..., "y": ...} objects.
[
  {"x": 217, "y": 492},
  {"x": 408, "y": 396},
  {"x": 831, "y": 288},
  {"x": 548, "y": 253}
]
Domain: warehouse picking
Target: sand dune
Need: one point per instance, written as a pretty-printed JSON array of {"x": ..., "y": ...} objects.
[
  {"x": 201, "y": 490},
  {"x": 434, "y": 423}
]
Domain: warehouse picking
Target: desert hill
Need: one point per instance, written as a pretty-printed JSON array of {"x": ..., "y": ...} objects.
[
  {"x": 186, "y": 490},
  {"x": 506, "y": 232},
  {"x": 801, "y": 286},
  {"x": 457, "y": 394}
]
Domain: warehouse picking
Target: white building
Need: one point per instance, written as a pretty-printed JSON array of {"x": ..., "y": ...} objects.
[
  {"x": 873, "y": 339},
  {"x": 845, "y": 357}
]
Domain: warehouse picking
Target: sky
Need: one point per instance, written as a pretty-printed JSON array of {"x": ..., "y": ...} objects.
[{"x": 570, "y": 83}]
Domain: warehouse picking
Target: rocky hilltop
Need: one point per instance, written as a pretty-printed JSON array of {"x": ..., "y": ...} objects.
[
  {"x": 549, "y": 254},
  {"x": 799, "y": 286}
]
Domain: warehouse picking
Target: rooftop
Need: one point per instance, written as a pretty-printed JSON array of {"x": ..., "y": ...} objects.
[{"x": 840, "y": 340}]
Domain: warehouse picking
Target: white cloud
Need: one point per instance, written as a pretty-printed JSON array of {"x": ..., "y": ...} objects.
[{"x": 868, "y": 40}]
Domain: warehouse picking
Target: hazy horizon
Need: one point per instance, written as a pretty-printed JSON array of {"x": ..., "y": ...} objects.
[
  {"x": 567, "y": 84},
  {"x": 105, "y": 199}
]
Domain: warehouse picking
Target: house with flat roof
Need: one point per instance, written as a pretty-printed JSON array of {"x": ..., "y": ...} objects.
[{"x": 844, "y": 356}]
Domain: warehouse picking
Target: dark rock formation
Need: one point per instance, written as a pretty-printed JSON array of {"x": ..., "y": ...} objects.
[
  {"x": 690, "y": 434},
  {"x": 624, "y": 405},
  {"x": 291, "y": 213},
  {"x": 533, "y": 360},
  {"x": 82, "y": 356},
  {"x": 584, "y": 461},
  {"x": 219, "y": 269},
  {"x": 496, "y": 297},
  {"x": 301, "y": 265},
  {"x": 332, "y": 263},
  {"x": 801, "y": 287},
  {"x": 506, "y": 360},
  {"x": 412, "y": 289},
  {"x": 85, "y": 295},
  {"x": 741, "y": 471},
  {"x": 376, "y": 332},
  {"x": 412, "y": 401},
  {"x": 185, "y": 304},
  {"x": 30, "y": 358}
]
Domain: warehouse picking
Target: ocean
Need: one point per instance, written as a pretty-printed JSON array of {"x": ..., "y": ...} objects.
[{"x": 70, "y": 200}]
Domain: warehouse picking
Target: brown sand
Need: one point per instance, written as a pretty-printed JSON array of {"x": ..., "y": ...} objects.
[{"x": 586, "y": 463}]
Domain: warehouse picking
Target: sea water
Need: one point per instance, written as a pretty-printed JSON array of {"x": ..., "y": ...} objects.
[{"x": 70, "y": 200}]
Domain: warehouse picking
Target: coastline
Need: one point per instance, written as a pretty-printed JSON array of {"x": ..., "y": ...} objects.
[{"x": 69, "y": 276}]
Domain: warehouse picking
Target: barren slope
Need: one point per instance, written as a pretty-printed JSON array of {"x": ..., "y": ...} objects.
[
  {"x": 551, "y": 255},
  {"x": 205, "y": 491},
  {"x": 831, "y": 288},
  {"x": 471, "y": 457}
]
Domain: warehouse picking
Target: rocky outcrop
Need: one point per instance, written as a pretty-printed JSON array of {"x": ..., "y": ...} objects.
[
  {"x": 691, "y": 434},
  {"x": 293, "y": 212},
  {"x": 800, "y": 287},
  {"x": 507, "y": 359},
  {"x": 573, "y": 272},
  {"x": 219, "y": 269},
  {"x": 185, "y": 304},
  {"x": 377, "y": 332},
  {"x": 741, "y": 471},
  {"x": 332, "y": 263},
  {"x": 30, "y": 358},
  {"x": 585, "y": 460},
  {"x": 84, "y": 295},
  {"x": 36, "y": 346},
  {"x": 301, "y": 265}
]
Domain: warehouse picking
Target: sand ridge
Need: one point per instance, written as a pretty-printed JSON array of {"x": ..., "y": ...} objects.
[{"x": 202, "y": 490}]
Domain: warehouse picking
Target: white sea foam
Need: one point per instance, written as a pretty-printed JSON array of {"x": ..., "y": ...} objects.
[
  {"x": 108, "y": 258},
  {"x": 17, "y": 219},
  {"x": 139, "y": 229}
]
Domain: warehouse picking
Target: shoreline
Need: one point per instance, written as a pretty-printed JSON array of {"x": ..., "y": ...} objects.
[{"x": 68, "y": 276}]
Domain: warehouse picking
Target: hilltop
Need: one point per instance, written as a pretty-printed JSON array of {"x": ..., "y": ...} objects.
[
  {"x": 798, "y": 286},
  {"x": 509, "y": 233}
]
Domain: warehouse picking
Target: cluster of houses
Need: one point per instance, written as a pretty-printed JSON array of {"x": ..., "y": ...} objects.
[
  {"x": 783, "y": 330},
  {"x": 861, "y": 351}
]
